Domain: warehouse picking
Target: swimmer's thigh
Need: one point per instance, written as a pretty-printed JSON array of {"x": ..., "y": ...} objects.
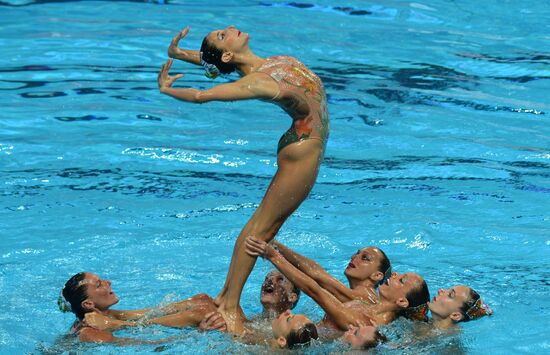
[{"x": 295, "y": 177}]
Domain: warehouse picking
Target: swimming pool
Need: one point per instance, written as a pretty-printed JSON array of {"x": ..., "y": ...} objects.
[{"x": 439, "y": 153}]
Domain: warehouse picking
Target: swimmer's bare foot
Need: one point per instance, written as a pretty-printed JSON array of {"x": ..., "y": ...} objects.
[{"x": 234, "y": 320}]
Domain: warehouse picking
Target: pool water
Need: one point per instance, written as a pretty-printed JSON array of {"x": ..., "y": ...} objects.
[{"x": 439, "y": 153}]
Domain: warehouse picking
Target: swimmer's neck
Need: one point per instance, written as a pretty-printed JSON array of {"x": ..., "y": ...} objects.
[
  {"x": 368, "y": 285},
  {"x": 273, "y": 311},
  {"x": 442, "y": 323},
  {"x": 247, "y": 62}
]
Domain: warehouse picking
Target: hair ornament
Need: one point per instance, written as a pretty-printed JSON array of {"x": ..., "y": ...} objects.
[
  {"x": 419, "y": 313},
  {"x": 478, "y": 310},
  {"x": 210, "y": 70},
  {"x": 63, "y": 304}
]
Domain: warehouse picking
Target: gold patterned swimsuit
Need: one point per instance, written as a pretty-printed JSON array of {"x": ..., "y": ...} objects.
[{"x": 302, "y": 95}]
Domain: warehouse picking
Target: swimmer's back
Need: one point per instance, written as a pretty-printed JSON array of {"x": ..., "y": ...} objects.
[{"x": 302, "y": 95}]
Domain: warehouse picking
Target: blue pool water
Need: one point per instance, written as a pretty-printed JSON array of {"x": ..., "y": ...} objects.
[{"x": 439, "y": 153}]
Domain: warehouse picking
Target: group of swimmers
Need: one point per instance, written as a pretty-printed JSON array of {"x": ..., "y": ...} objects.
[{"x": 375, "y": 296}]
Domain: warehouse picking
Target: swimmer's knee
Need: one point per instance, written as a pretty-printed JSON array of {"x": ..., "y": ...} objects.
[
  {"x": 268, "y": 233},
  {"x": 202, "y": 297}
]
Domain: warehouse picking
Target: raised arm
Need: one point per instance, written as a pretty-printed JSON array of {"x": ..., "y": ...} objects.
[
  {"x": 187, "y": 55},
  {"x": 306, "y": 265},
  {"x": 252, "y": 86},
  {"x": 320, "y": 275},
  {"x": 316, "y": 272},
  {"x": 335, "y": 309}
]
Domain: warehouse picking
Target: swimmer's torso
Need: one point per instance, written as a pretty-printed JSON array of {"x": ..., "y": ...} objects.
[{"x": 302, "y": 95}]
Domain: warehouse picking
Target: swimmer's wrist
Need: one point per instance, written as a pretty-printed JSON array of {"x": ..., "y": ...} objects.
[
  {"x": 270, "y": 252},
  {"x": 176, "y": 53}
]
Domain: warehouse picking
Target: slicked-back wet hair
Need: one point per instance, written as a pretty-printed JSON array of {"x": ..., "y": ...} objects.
[
  {"x": 75, "y": 292},
  {"x": 213, "y": 55},
  {"x": 302, "y": 336},
  {"x": 473, "y": 296},
  {"x": 419, "y": 295},
  {"x": 384, "y": 267}
]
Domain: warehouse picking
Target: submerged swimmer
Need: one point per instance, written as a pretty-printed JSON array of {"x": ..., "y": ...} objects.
[{"x": 286, "y": 82}]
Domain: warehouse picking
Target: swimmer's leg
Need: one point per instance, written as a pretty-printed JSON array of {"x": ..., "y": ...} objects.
[
  {"x": 282, "y": 157},
  {"x": 298, "y": 168},
  {"x": 247, "y": 227},
  {"x": 175, "y": 307},
  {"x": 186, "y": 313}
]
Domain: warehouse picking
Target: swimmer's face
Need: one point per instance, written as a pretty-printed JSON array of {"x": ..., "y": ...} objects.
[
  {"x": 365, "y": 264},
  {"x": 287, "y": 322},
  {"x": 100, "y": 294},
  {"x": 396, "y": 288},
  {"x": 277, "y": 292},
  {"x": 361, "y": 337},
  {"x": 229, "y": 39},
  {"x": 447, "y": 302}
]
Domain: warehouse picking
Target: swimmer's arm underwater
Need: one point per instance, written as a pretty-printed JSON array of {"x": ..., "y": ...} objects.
[
  {"x": 178, "y": 320},
  {"x": 102, "y": 322},
  {"x": 189, "y": 56},
  {"x": 320, "y": 275},
  {"x": 252, "y": 86},
  {"x": 92, "y": 335}
]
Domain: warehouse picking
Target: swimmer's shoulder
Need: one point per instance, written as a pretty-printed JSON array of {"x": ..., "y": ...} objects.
[{"x": 89, "y": 334}]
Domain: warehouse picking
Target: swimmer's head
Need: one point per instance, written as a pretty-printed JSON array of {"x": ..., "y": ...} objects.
[
  {"x": 459, "y": 303},
  {"x": 278, "y": 293},
  {"x": 86, "y": 292},
  {"x": 219, "y": 48},
  {"x": 409, "y": 292},
  {"x": 362, "y": 337},
  {"x": 369, "y": 263},
  {"x": 291, "y": 330}
]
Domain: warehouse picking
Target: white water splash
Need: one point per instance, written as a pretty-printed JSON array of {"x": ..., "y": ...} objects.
[{"x": 174, "y": 155}]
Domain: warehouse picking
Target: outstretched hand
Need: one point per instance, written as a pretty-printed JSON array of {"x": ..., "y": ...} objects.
[
  {"x": 256, "y": 247},
  {"x": 173, "y": 49},
  {"x": 164, "y": 80}
]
